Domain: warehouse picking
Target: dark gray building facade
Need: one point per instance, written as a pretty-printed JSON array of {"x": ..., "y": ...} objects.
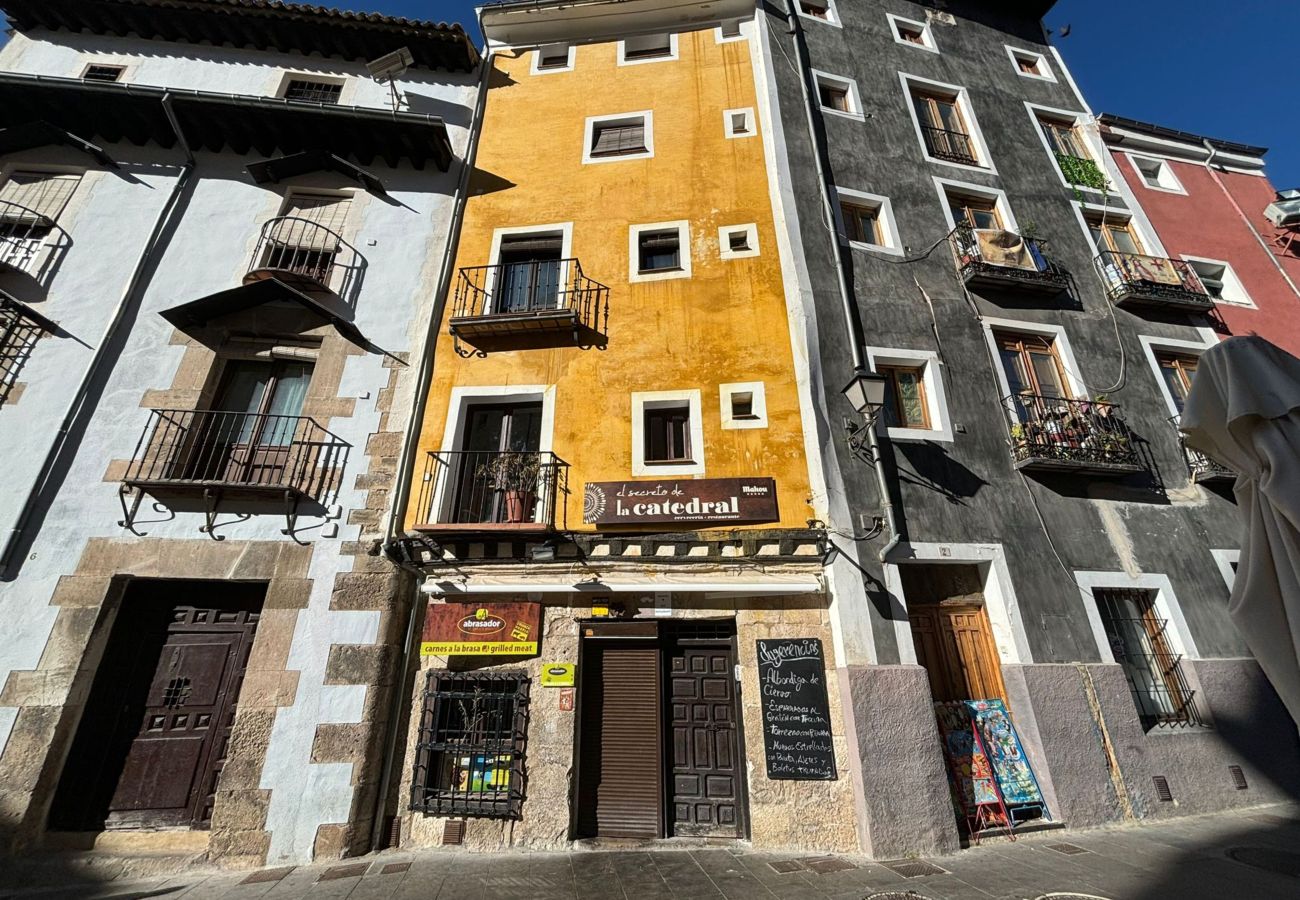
[{"x": 1052, "y": 541}]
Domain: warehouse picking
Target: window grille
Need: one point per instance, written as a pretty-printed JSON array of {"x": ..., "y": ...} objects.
[
  {"x": 31, "y": 196},
  {"x": 470, "y": 760},
  {"x": 313, "y": 91},
  {"x": 616, "y": 139},
  {"x": 103, "y": 73},
  {"x": 1138, "y": 640},
  {"x": 18, "y": 334}
]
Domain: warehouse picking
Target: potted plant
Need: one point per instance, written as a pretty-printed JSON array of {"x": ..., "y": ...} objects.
[{"x": 515, "y": 475}]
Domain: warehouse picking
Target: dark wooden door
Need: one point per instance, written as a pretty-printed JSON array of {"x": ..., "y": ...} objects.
[
  {"x": 704, "y": 743},
  {"x": 955, "y": 645}
]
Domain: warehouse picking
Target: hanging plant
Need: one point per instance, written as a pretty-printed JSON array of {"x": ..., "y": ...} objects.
[{"x": 1079, "y": 172}]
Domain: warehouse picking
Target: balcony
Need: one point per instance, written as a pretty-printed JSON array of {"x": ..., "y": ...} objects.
[
  {"x": 233, "y": 456},
  {"x": 528, "y": 305},
  {"x": 30, "y": 242},
  {"x": 1133, "y": 280},
  {"x": 950, "y": 146},
  {"x": 1001, "y": 260},
  {"x": 307, "y": 257},
  {"x": 1053, "y": 434},
  {"x": 492, "y": 491},
  {"x": 20, "y": 327},
  {"x": 1202, "y": 468}
]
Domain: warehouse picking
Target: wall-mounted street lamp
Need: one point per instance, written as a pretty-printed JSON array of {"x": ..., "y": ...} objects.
[{"x": 866, "y": 394}]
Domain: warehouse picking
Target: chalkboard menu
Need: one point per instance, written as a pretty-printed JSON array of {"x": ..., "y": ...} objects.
[{"x": 796, "y": 711}]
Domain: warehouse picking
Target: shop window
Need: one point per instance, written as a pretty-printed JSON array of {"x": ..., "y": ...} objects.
[
  {"x": 310, "y": 90},
  {"x": 915, "y": 34},
  {"x": 1139, "y": 641},
  {"x": 102, "y": 72},
  {"x": 647, "y": 48},
  {"x": 619, "y": 137},
  {"x": 470, "y": 760}
]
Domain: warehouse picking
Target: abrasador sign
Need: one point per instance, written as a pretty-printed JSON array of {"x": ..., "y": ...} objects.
[
  {"x": 702, "y": 501},
  {"x": 486, "y": 629}
]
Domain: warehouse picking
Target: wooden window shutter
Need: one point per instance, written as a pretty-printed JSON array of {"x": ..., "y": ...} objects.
[
  {"x": 40, "y": 193},
  {"x": 615, "y": 139}
]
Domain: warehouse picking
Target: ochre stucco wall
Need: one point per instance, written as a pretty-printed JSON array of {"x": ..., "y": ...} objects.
[{"x": 726, "y": 323}]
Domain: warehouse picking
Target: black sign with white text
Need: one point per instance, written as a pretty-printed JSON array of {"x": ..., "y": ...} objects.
[{"x": 796, "y": 710}]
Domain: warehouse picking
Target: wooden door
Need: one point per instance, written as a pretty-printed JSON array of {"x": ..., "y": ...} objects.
[
  {"x": 955, "y": 645},
  {"x": 705, "y": 785}
]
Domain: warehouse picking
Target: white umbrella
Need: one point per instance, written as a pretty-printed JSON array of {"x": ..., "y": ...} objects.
[{"x": 1244, "y": 411}]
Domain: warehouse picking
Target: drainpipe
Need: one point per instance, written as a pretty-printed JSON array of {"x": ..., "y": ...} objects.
[
  {"x": 101, "y": 359},
  {"x": 411, "y": 445},
  {"x": 852, "y": 316}
]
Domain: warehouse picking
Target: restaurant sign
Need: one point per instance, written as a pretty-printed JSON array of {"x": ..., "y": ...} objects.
[
  {"x": 481, "y": 629},
  {"x": 689, "y": 501}
]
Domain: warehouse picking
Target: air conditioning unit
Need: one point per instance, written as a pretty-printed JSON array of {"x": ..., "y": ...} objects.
[{"x": 1285, "y": 210}]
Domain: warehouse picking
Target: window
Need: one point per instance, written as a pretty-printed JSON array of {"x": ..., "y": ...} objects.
[
  {"x": 311, "y": 91},
  {"x": 553, "y": 58},
  {"x": 905, "y": 404},
  {"x": 833, "y": 96},
  {"x": 744, "y": 405},
  {"x": 659, "y": 251},
  {"x": 1113, "y": 234},
  {"x": 916, "y": 34},
  {"x": 101, "y": 72},
  {"x": 822, "y": 10},
  {"x": 730, "y": 30},
  {"x": 647, "y": 48},
  {"x": 30, "y": 206},
  {"x": 307, "y": 237},
  {"x": 738, "y": 241},
  {"x": 915, "y": 402},
  {"x": 1031, "y": 366},
  {"x": 1177, "y": 371},
  {"x": 943, "y": 127},
  {"x": 1139, "y": 642},
  {"x": 612, "y": 138},
  {"x": 974, "y": 212},
  {"x": 1031, "y": 64},
  {"x": 837, "y": 95},
  {"x": 1157, "y": 174},
  {"x": 862, "y": 223},
  {"x": 1064, "y": 139},
  {"x": 738, "y": 123},
  {"x": 667, "y": 433},
  {"x": 1220, "y": 281},
  {"x": 471, "y": 752},
  {"x": 869, "y": 222},
  {"x": 528, "y": 273}
]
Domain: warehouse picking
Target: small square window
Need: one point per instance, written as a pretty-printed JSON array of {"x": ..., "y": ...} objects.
[
  {"x": 862, "y": 223},
  {"x": 744, "y": 405},
  {"x": 618, "y": 137},
  {"x": 738, "y": 241},
  {"x": 553, "y": 57},
  {"x": 1220, "y": 281},
  {"x": 868, "y": 221},
  {"x": 1157, "y": 174},
  {"x": 729, "y": 30},
  {"x": 818, "y": 9},
  {"x": 98, "y": 72},
  {"x": 905, "y": 403},
  {"x": 1031, "y": 64},
  {"x": 668, "y": 434},
  {"x": 659, "y": 251},
  {"x": 738, "y": 123},
  {"x": 837, "y": 96},
  {"x": 309, "y": 91},
  {"x": 913, "y": 33},
  {"x": 833, "y": 96},
  {"x": 915, "y": 406},
  {"x": 646, "y": 47}
]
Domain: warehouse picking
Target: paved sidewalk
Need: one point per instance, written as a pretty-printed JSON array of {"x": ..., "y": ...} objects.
[{"x": 1249, "y": 854}]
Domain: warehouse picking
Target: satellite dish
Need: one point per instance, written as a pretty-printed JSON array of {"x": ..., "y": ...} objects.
[{"x": 390, "y": 65}]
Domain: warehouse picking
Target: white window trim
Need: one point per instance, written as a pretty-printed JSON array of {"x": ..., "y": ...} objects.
[
  {"x": 936, "y": 400},
  {"x": 672, "y": 51},
  {"x": 727, "y": 129},
  {"x": 1151, "y": 346},
  {"x": 910, "y": 81},
  {"x": 832, "y": 18},
  {"x": 759, "y": 393},
  {"x": 1142, "y": 179},
  {"x": 642, "y": 399},
  {"x": 1078, "y": 390},
  {"x": 888, "y": 224},
  {"x": 743, "y": 35},
  {"x": 1230, "y": 276},
  {"x": 724, "y": 246},
  {"x": 855, "y": 99},
  {"x": 494, "y": 253},
  {"x": 1014, "y": 53},
  {"x": 1078, "y": 121},
  {"x": 999, "y": 198},
  {"x": 1225, "y": 559},
  {"x": 462, "y": 398},
  {"x": 1166, "y": 606},
  {"x": 592, "y": 121},
  {"x": 567, "y": 67},
  {"x": 683, "y": 251},
  {"x": 288, "y": 75},
  {"x": 1000, "y": 602},
  {"x": 927, "y": 33}
]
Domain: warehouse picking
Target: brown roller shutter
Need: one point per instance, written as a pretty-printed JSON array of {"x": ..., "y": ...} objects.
[{"x": 621, "y": 769}]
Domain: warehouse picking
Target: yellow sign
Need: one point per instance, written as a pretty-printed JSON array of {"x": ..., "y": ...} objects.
[
  {"x": 503, "y": 648},
  {"x": 557, "y": 674},
  {"x": 600, "y": 610}
]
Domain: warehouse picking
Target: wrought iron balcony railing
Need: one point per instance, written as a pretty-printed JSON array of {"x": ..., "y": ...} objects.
[
  {"x": 1202, "y": 468},
  {"x": 30, "y": 242},
  {"x": 990, "y": 258},
  {"x": 308, "y": 257},
  {"x": 20, "y": 328},
  {"x": 1132, "y": 279},
  {"x": 1058, "y": 434},
  {"x": 469, "y": 490},
  {"x": 953, "y": 146},
  {"x": 523, "y": 305}
]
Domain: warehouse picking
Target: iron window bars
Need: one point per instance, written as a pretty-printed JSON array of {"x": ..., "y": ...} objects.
[
  {"x": 19, "y": 331},
  {"x": 1069, "y": 435},
  {"x": 1133, "y": 278},
  {"x": 470, "y": 757},
  {"x": 313, "y": 91},
  {"x": 948, "y": 145},
  {"x": 520, "y": 489},
  {"x": 1139, "y": 644},
  {"x": 1202, "y": 468},
  {"x": 308, "y": 257},
  {"x": 97, "y": 72},
  {"x": 977, "y": 269},
  {"x": 24, "y": 234}
]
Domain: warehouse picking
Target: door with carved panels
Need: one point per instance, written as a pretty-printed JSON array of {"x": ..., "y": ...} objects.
[
  {"x": 955, "y": 645},
  {"x": 705, "y": 776}
]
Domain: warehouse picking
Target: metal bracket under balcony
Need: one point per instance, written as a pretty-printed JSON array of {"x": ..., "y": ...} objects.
[
  {"x": 528, "y": 305},
  {"x": 1002, "y": 260},
  {"x": 1203, "y": 469},
  {"x": 1053, "y": 434},
  {"x": 1154, "y": 282},
  {"x": 235, "y": 460},
  {"x": 492, "y": 492}
]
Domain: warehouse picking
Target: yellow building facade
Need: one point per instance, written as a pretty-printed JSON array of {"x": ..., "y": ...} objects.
[{"x": 627, "y": 635}]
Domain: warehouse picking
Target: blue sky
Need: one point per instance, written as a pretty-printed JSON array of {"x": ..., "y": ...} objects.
[{"x": 1212, "y": 68}]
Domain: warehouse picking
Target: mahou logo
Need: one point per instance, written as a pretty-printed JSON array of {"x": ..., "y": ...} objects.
[{"x": 482, "y": 623}]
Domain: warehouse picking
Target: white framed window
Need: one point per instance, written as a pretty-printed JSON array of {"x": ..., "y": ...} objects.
[
  {"x": 820, "y": 10},
  {"x": 838, "y": 96},
  {"x": 647, "y": 48},
  {"x": 528, "y": 267},
  {"x": 912, "y": 33},
  {"x": 312, "y": 88},
  {"x": 619, "y": 137},
  {"x": 743, "y": 404},
  {"x": 1226, "y": 561},
  {"x": 1064, "y": 136},
  {"x": 550, "y": 58},
  {"x": 1165, "y": 356},
  {"x": 1030, "y": 64},
  {"x": 659, "y": 251},
  {"x": 976, "y": 205},
  {"x": 1156, "y": 173},
  {"x": 916, "y": 403},
  {"x": 667, "y": 433},
  {"x": 868, "y": 222},
  {"x": 945, "y": 124},
  {"x": 105, "y": 72},
  {"x": 738, "y": 241},
  {"x": 730, "y": 31},
  {"x": 1052, "y": 336},
  {"x": 1220, "y": 281},
  {"x": 739, "y": 123}
]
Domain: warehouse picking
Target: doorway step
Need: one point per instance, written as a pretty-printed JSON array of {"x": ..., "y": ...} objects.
[{"x": 96, "y": 858}]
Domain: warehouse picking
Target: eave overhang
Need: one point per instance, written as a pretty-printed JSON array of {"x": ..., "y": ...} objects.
[
  {"x": 295, "y": 164},
  {"x": 264, "y": 24},
  {"x": 222, "y": 122},
  {"x": 545, "y": 21},
  {"x": 30, "y": 135}
]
